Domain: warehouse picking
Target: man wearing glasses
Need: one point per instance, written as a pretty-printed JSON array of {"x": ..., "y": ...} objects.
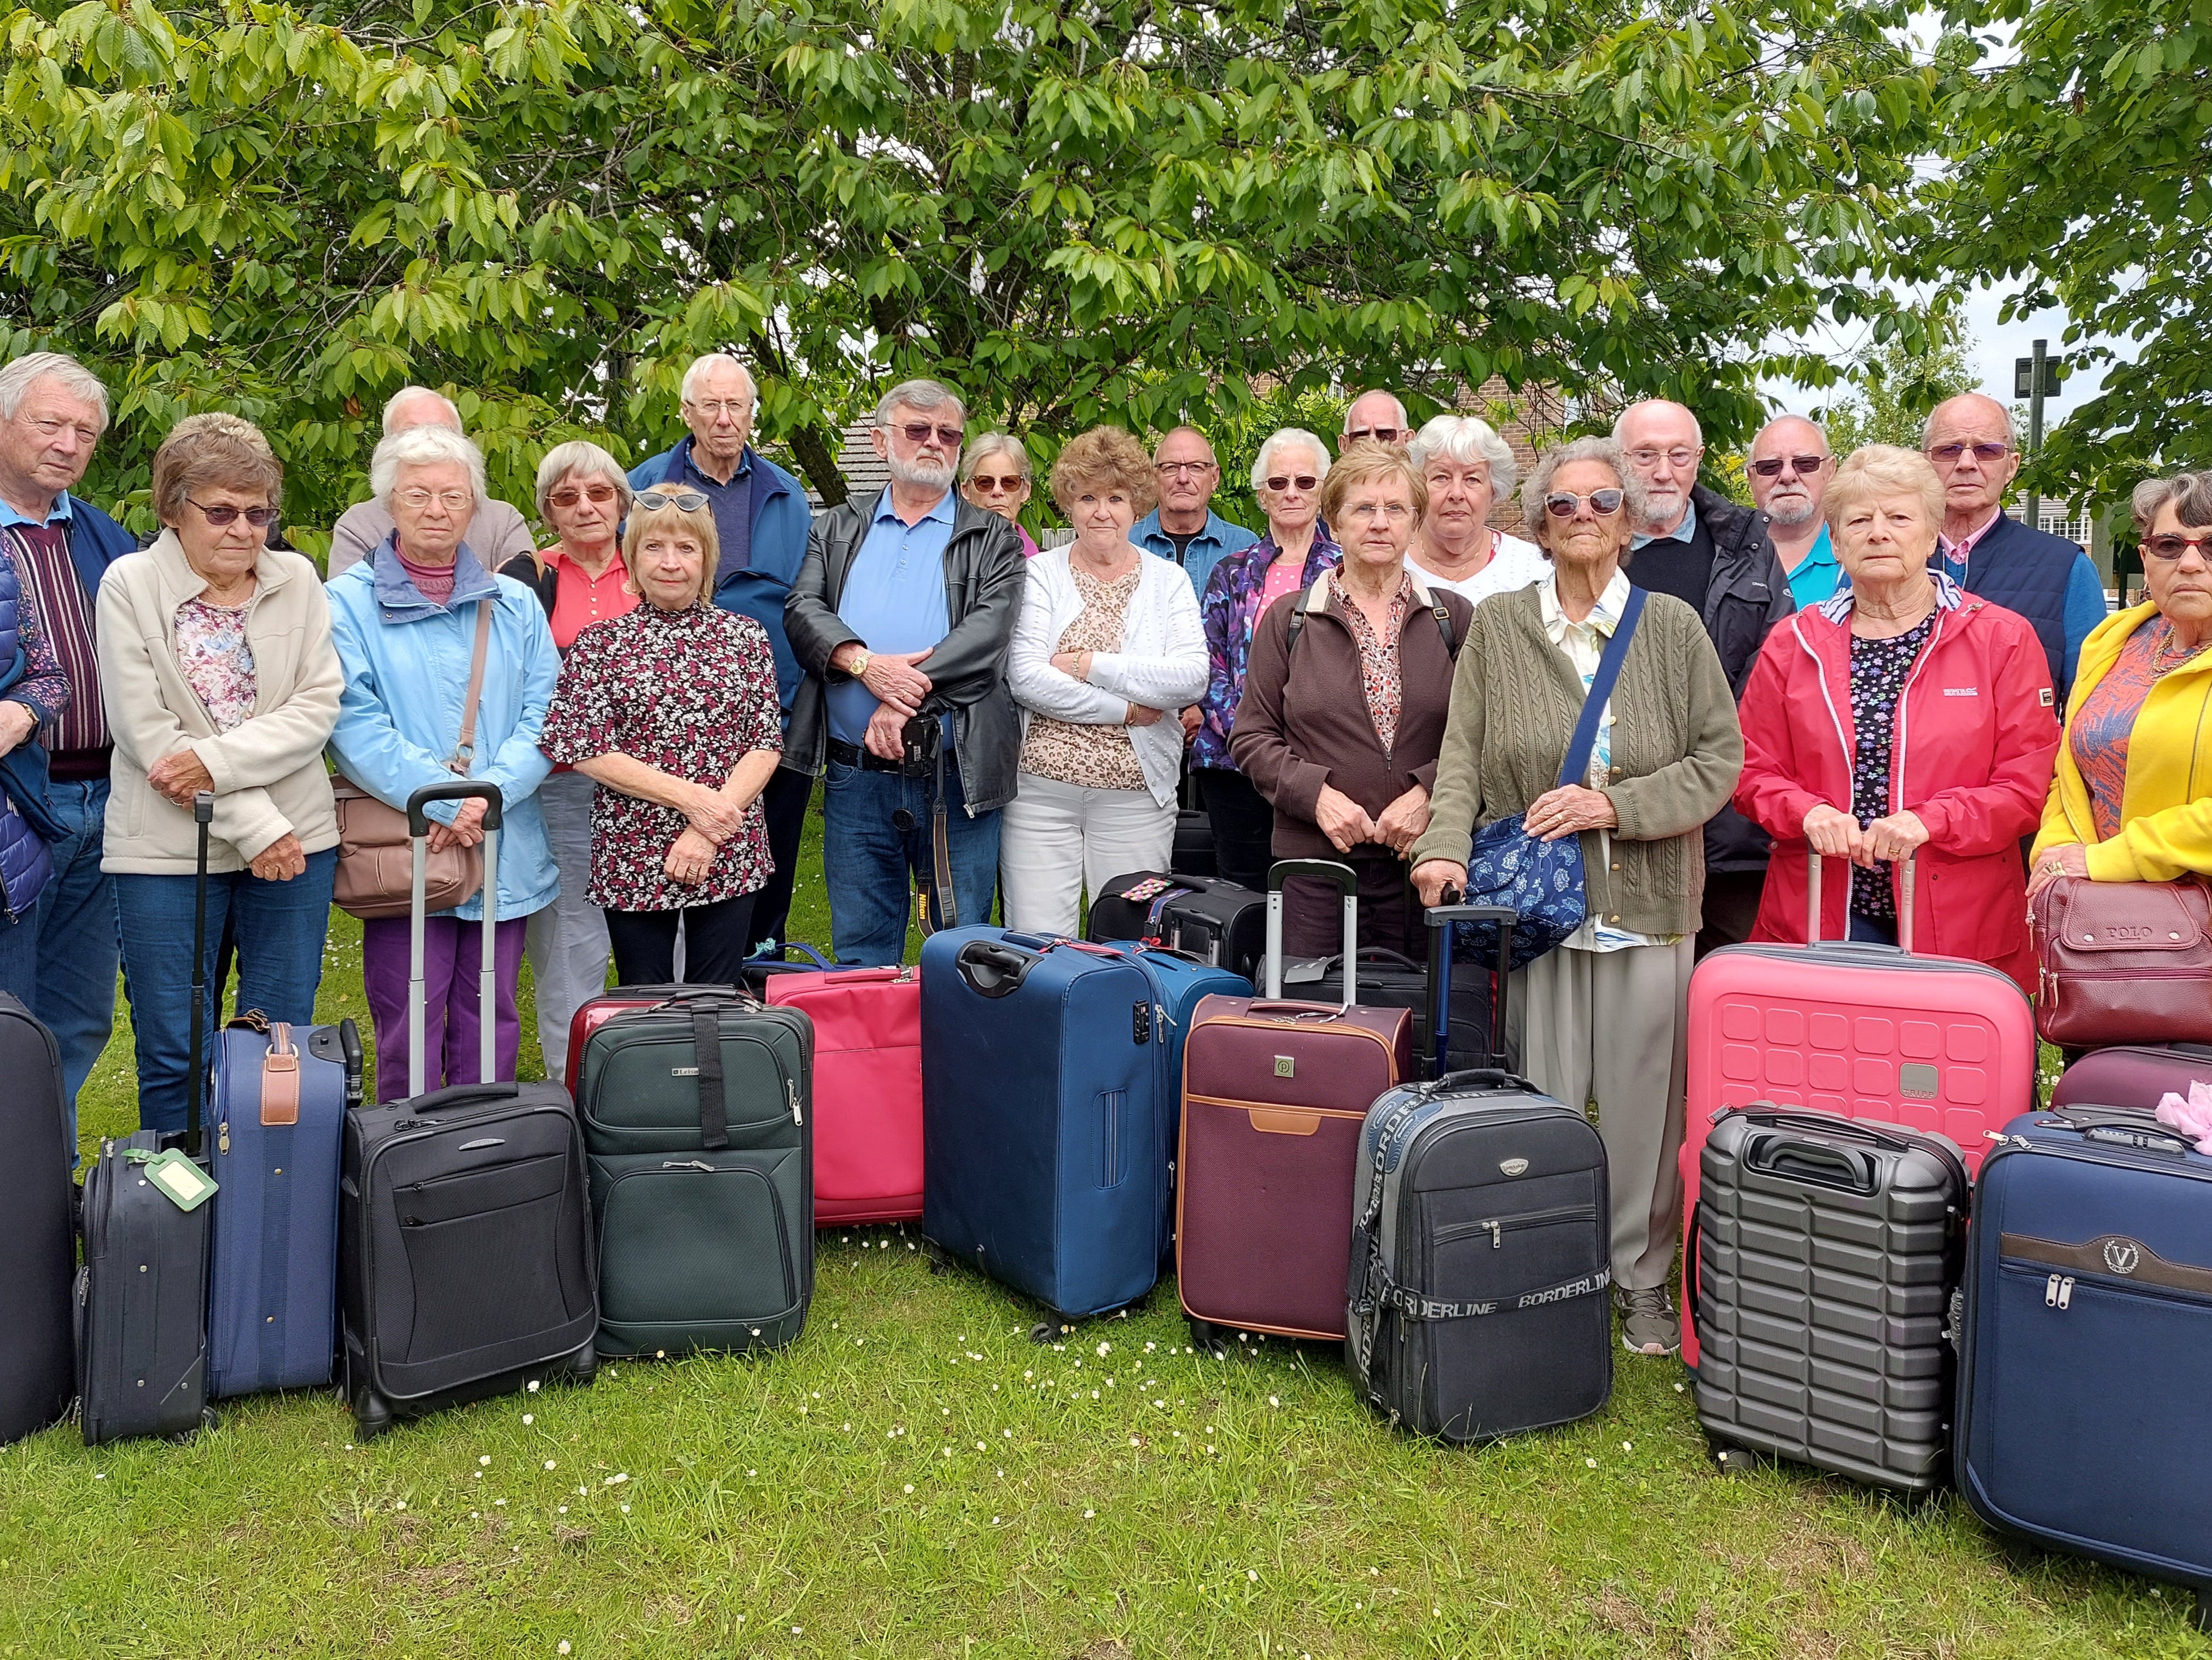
[
  {"x": 1716, "y": 556},
  {"x": 761, "y": 524},
  {"x": 900, "y": 617},
  {"x": 2048, "y": 580},
  {"x": 1184, "y": 528},
  {"x": 1376, "y": 417},
  {"x": 1789, "y": 470},
  {"x": 497, "y": 532},
  {"x": 61, "y": 958}
]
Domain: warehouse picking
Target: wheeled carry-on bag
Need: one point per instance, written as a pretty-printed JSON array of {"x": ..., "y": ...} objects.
[
  {"x": 464, "y": 1246},
  {"x": 1934, "y": 1044},
  {"x": 1193, "y": 845},
  {"x": 1482, "y": 1244},
  {"x": 1391, "y": 980},
  {"x": 1220, "y": 924},
  {"x": 142, "y": 1292},
  {"x": 1275, "y": 1095},
  {"x": 2133, "y": 1075},
  {"x": 38, "y": 1230},
  {"x": 2087, "y": 1342},
  {"x": 699, "y": 1129},
  {"x": 1823, "y": 1253},
  {"x": 281, "y": 1096},
  {"x": 1043, "y": 1117},
  {"x": 867, "y": 1089}
]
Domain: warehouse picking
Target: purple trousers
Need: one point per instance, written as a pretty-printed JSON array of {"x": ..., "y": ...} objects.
[{"x": 452, "y": 960}]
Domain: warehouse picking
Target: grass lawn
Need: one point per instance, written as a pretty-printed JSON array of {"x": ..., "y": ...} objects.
[{"x": 916, "y": 1478}]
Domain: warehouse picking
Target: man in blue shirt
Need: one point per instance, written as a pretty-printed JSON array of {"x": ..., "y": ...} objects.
[
  {"x": 1184, "y": 526},
  {"x": 901, "y": 619},
  {"x": 1789, "y": 470}
]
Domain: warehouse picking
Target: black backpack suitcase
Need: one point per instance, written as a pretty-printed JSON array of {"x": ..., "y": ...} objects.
[
  {"x": 38, "y": 1363},
  {"x": 464, "y": 1245}
]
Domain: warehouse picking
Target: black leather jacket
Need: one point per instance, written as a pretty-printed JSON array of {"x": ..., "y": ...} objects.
[{"x": 984, "y": 581}]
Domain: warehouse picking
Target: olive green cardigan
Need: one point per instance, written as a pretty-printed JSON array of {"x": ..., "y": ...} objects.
[{"x": 1677, "y": 751}]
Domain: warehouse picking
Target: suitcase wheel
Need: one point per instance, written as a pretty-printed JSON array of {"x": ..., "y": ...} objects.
[
  {"x": 372, "y": 1413},
  {"x": 1209, "y": 1338},
  {"x": 1050, "y": 1331},
  {"x": 208, "y": 1421},
  {"x": 1729, "y": 1458},
  {"x": 584, "y": 1363},
  {"x": 2203, "y": 1618}
]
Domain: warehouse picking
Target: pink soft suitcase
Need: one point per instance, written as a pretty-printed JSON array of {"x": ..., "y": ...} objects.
[
  {"x": 1932, "y": 1043},
  {"x": 867, "y": 1090}
]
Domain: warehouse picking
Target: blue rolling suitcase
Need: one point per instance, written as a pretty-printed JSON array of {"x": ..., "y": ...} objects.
[
  {"x": 281, "y": 1095},
  {"x": 2086, "y": 1341},
  {"x": 1044, "y": 1116}
]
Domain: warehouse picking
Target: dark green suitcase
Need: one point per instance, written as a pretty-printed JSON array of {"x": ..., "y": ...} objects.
[{"x": 698, "y": 1123}]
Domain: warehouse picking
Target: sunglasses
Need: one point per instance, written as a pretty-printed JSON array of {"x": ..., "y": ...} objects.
[
  {"x": 1380, "y": 434},
  {"x": 1565, "y": 504},
  {"x": 597, "y": 494},
  {"x": 682, "y": 500},
  {"x": 1803, "y": 465},
  {"x": 1304, "y": 480},
  {"x": 1946, "y": 455},
  {"x": 2170, "y": 547},
  {"x": 262, "y": 518},
  {"x": 918, "y": 432},
  {"x": 990, "y": 486}
]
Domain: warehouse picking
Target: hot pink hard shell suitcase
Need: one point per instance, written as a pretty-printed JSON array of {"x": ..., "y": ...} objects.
[
  {"x": 1932, "y": 1043},
  {"x": 867, "y": 1090}
]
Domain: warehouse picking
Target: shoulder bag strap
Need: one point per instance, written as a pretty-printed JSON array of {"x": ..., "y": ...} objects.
[
  {"x": 465, "y": 747},
  {"x": 1576, "y": 767}
]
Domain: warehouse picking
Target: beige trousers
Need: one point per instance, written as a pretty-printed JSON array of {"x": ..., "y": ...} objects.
[{"x": 1611, "y": 1028}]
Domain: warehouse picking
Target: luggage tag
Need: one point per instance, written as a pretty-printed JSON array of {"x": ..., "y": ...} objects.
[
  {"x": 179, "y": 1180},
  {"x": 1150, "y": 888}
]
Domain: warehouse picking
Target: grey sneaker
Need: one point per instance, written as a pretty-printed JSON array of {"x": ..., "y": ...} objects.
[{"x": 1648, "y": 1324}]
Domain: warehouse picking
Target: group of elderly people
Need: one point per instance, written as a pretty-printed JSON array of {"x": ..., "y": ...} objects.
[{"x": 1377, "y": 677}]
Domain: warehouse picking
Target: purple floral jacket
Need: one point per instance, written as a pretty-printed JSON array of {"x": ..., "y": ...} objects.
[{"x": 1232, "y": 611}]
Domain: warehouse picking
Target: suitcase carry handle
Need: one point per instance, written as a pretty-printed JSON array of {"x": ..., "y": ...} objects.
[
  {"x": 418, "y": 832},
  {"x": 1346, "y": 881},
  {"x": 461, "y": 1095},
  {"x": 1780, "y": 1154},
  {"x": 349, "y": 1055},
  {"x": 1482, "y": 1077},
  {"x": 993, "y": 969},
  {"x": 805, "y": 951},
  {"x": 1813, "y": 905},
  {"x": 1440, "y": 919},
  {"x": 1820, "y": 1123},
  {"x": 2142, "y": 1141}
]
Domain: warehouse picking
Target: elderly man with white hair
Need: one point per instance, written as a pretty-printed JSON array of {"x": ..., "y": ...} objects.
[
  {"x": 1469, "y": 469},
  {"x": 1377, "y": 418},
  {"x": 1789, "y": 470},
  {"x": 497, "y": 533}
]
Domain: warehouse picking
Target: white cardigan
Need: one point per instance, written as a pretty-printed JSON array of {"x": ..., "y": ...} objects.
[{"x": 1162, "y": 662}]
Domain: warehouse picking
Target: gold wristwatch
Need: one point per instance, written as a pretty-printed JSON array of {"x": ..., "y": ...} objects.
[{"x": 860, "y": 664}]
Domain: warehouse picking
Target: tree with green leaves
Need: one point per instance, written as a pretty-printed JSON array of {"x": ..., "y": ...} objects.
[{"x": 1895, "y": 382}]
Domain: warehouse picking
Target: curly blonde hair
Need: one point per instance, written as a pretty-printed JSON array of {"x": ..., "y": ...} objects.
[{"x": 1102, "y": 459}]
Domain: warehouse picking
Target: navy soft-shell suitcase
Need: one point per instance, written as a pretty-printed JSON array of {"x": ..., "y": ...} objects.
[
  {"x": 2087, "y": 1342},
  {"x": 38, "y": 1361},
  {"x": 1044, "y": 1121},
  {"x": 281, "y": 1095}
]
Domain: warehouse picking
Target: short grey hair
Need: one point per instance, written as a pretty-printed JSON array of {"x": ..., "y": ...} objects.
[
  {"x": 78, "y": 381},
  {"x": 1467, "y": 439},
  {"x": 422, "y": 447},
  {"x": 1396, "y": 403},
  {"x": 2012, "y": 425},
  {"x": 995, "y": 443},
  {"x": 923, "y": 395},
  {"x": 1620, "y": 421},
  {"x": 1606, "y": 450},
  {"x": 2190, "y": 492},
  {"x": 583, "y": 457},
  {"x": 1819, "y": 431},
  {"x": 391, "y": 405},
  {"x": 700, "y": 365},
  {"x": 1283, "y": 438}
]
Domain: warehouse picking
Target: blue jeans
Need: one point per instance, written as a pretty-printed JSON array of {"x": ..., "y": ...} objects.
[
  {"x": 78, "y": 943},
  {"x": 871, "y": 863},
  {"x": 280, "y": 927}
]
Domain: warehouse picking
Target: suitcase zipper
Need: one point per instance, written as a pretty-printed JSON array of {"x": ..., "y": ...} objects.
[
  {"x": 2058, "y": 1293},
  {"x": 1498, "y": 1227},
  {"x": 791, "y": 1088}
]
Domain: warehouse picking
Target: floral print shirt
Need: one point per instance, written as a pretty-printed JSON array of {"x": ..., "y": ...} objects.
[
  {"x": 690, "y": 693},
  {"x": 1230, "y": 611},
  {"x": 1380, "y": 678},
  {"x": 1098, "y": 757},
  {"x": 217, "y": 660},
  {"x": 1880, "y": 669}
]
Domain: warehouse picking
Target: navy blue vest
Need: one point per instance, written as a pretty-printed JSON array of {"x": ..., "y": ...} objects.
[
  {"x": 11, "y": 594},
  {"x": 2026, "y": 571}
]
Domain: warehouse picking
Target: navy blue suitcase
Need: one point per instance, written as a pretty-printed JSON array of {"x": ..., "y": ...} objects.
[
  {"x": 280, "y": 1101},
  {"x": 1043, "y": 1115},
  {"x": 2087, "y": 1340}
]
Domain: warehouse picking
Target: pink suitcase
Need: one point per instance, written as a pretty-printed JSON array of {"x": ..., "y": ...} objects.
[
  {"x": 1863, "y": 1031},
  {"x": 867, "y": 1090}
]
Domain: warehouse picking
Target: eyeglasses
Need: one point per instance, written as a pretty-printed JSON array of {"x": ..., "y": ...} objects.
[
  {"x": 1304, "y": 480},
  {"x": 1565, "y": 504},
  {"x": 1367, "y": 512},
  {"x": 2170, "y": 547},
  {"x": 1380, "y": 434},
  {"x": 1183, "y": 469},
  {"x": 598, "y": 495},
  {"x": 988, "y": 486},
  {"x": 51, "y": 430},
  {"x": 451, "y": 501},
  {"x": 918, "y": 432},
  {"x": 262, "y": 518},
  {"x": 1679, "y": 456},
  {"x": 682, "y": 500},
  {"x": 1947, "y": 455},
  {"x": 736, "y": 408},
  {"x": 1803, "y": 465}
]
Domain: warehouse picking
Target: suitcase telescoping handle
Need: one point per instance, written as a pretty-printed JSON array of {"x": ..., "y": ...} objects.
[
  {"x": 1813, "y": 904},
  {"x": 1440, "y": 919},
  {"x": 418, "y": 831},
  {"x": 202, "y": 820},
  {"x": 1346, "y": 881}
]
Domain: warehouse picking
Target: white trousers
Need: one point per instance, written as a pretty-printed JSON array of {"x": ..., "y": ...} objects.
[
  {"x": 1057, "y": 841},
  {"x": 567, "y": 941}
]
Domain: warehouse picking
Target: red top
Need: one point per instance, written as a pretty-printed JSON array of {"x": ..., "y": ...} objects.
[
  {"x": 579, "y": 601},
  {"x": 433, "y": 582},
  {"x": 2102, "y": 728}
]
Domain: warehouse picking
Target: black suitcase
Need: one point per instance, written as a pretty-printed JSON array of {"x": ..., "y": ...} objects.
[
  {"x": 38, "y": 1363},
  {"x": 1390, "y": 980},
  {"x": 1220, "y": 924},
  {"x": 464, "y": 1250},
  {"x": 1193, "y": 845}
]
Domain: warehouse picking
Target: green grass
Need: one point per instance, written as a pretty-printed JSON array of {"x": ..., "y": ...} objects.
[{"x": 1138, "y": 1502}]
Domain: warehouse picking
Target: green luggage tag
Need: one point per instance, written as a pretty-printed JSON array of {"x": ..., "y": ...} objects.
[{"x": 180, "y": 1181}]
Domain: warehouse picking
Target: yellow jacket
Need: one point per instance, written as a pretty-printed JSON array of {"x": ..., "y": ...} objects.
[{"x": 2166, "y": 807}]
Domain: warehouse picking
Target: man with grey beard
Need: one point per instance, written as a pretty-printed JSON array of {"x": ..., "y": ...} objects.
[
  {"x": 901, "y": 619},
  {"x": 1789, "y": 470}
]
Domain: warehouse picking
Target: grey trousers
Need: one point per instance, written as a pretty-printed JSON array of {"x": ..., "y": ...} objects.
[
  {"x": 566, "y": 942},
  {"x": 1611, "y": 1028}
]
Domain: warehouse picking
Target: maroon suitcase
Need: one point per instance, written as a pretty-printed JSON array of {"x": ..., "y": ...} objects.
[
  {"x": 1274, "y": 1097},
  {"x": 2135, "y": 1075}
]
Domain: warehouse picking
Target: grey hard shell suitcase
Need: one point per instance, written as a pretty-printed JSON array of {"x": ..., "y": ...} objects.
[
  {"x": 464, "y": 1249},
  {"x": 38, "y": 1362},
  {"x": 1482, "y": 1251},
  {"x": 698, "y": 1127},
  {"x": 1823, "y": 1254}
]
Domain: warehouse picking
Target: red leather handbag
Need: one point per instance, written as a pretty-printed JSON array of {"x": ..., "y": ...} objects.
[{"x": 2123, "y": 961}]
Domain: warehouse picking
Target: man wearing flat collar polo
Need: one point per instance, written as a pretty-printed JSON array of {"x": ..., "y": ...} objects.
[{"x": 901, "y": 619}]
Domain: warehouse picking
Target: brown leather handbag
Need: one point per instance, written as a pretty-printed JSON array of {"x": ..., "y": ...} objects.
[
  {"x": 376, "y": 857},
  {"x": 2123, "y": 961}
]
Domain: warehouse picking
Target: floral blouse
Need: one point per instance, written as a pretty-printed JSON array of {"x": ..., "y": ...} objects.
[
  {"x": 217, "y": 660},
  {"x": 690, "y": 693},
  {"x": 2100, "y": 730},
  {"x": 1880, "y": 669},
  {"x": 1090, "y": 757},
  {"x": 1230, "y": 610},
  {"x": 1380, "y": 677}
]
